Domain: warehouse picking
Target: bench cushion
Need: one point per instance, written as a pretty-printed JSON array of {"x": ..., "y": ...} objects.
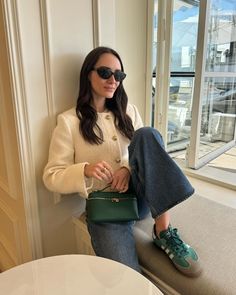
[{"x": 211, "y": 229}]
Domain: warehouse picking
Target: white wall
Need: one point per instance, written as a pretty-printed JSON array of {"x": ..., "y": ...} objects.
[
  {"x": 51, "y": 40},
  {"x": 125, "y": 29},
  {"x": 131, "y": 40},
  {"x": 54, "y": 39}
]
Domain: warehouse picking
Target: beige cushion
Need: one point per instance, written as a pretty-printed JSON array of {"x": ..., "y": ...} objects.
[{"x": 211, "y": 229}]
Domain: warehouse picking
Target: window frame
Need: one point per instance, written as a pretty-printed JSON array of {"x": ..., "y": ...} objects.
[{"x": 161, "y": 98}]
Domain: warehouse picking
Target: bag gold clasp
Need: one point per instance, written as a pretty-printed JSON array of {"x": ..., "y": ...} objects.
[{"x": 116, "y": 200}]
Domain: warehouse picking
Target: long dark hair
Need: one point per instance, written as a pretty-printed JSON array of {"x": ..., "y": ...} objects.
[{"x": 117, "y": 105}]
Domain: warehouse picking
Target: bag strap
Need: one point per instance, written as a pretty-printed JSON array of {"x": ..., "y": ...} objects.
[{"x": 103, "y": 189}]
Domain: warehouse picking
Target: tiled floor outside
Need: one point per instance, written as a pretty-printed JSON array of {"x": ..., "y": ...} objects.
[
  {"x": 221, "y": 169},
  {"x": 226, "y": 161}
]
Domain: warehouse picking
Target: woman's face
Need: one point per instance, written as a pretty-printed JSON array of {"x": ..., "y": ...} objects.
[{"x": 104, "y": 88}]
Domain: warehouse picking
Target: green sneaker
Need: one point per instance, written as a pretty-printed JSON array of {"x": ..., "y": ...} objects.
[{"x": 182, "y": 255}]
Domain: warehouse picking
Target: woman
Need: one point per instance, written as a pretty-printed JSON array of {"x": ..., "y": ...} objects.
[{"x": 102, "y": 142}]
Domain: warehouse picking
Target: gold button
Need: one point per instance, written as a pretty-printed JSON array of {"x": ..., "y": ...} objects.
[
  {"x": 114, "y": 137},
  {"x": 118, "y": 160},
  {"x": 107, "y": 117}
]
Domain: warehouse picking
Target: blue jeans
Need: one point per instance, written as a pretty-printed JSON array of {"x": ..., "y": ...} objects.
[{"x": 159, "y": 185}]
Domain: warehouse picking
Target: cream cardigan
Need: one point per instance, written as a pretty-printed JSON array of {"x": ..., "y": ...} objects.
[{"x": 69, "y": 152}]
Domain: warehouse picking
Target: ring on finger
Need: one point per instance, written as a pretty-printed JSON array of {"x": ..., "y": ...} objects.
[{"x": 103, "y": 170}]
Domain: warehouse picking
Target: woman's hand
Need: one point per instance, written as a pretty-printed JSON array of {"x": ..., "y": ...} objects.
[
  {"x": 120, "y": 180},
  {"x": 101, "y": 170}
]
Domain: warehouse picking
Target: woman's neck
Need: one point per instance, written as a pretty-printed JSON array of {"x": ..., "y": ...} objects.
[{"x": 99, "y": 105}]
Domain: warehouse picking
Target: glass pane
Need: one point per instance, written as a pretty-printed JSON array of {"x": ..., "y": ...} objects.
[
  {"x": 154, "y": 57},
  {"x": 184, "y": 38},
  {"x": 219, "y": 99},
  {"x": 154, "y": 36},
  {"x": 218, "y": 113},
  {"x": 221, "y": 52},
  {"x": 183, "y": 56},
  {"x": 179, "y": 113}
]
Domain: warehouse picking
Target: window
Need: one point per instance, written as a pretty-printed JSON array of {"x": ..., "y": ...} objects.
[
  {"x": 197, "y": 97},
  {"x": 182, "y": 71}
]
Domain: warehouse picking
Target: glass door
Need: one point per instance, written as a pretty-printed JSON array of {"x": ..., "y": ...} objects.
[
  {"x": 215, "y": 116},
  {"x": 193, "y": 72},
  {"x": 159, "y": 61},
  {"x": 182, "y": 73},
  {"x": 174, "y": 42}
]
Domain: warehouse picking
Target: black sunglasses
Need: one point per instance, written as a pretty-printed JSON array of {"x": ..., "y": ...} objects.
[{"x": 106, "y": 73}]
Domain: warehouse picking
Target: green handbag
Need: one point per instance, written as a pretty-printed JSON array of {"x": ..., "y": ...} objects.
[{"x": 111, "y": 206}]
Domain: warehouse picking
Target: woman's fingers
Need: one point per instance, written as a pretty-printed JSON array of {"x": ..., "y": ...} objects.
[
  {"x": 101, "y": 170},
  {"x": 124, "y": 187},
  {"x": 107, "y": 169},
  {"x": 121, "y": 180},
  {"x": 106, "y": 172},
  {"x": 105, "y": 175},
  {"x": 121, "y": 186}
]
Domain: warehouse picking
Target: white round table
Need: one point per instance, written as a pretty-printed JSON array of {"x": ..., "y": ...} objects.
[{"x": 74, "y": 275}]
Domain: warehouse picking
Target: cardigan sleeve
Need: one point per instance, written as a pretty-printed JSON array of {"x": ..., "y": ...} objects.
[
  {"x": 137, "y": 121},
  {"x": 61, "y": 173}
]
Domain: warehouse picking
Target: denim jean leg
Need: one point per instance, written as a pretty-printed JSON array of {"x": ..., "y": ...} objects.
[
  {"x": 155, "y": 176},
  {"x": 114, "y": 241}
]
